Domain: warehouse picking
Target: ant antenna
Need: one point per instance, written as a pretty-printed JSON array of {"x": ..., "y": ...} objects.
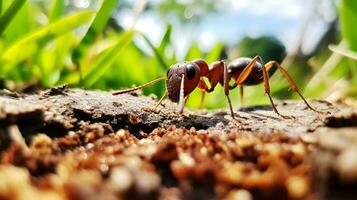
[{"x": 138, "y": 87}]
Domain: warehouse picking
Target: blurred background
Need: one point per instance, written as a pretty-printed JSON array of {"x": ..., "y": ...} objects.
[{"x": 114, "y": 44}]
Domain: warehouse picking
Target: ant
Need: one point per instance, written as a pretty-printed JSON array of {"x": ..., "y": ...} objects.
[{"x": 183, "y": 78}]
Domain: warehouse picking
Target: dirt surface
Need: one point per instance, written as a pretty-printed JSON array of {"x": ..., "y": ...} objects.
[{"x": 75, "y": 144}]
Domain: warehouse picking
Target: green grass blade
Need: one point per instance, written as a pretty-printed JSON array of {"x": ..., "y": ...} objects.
[
  {"x": 22, "y": 24},
  {"x": 9, "y": 14},
  {"x": 97, "y": 26},
  {"x": 193, "y": 52},
  {"x": 100, "y": 20},
  {"x": 16, "y": 53},
  {"x": 166, "y": 40},
  {"x": 214, "y": 54},
  {"x": 56, "y": 10},
  {"x": 158, "y": 55},
  {"x": 105, "y": 60},
  {"x": 348, "y": 18}
]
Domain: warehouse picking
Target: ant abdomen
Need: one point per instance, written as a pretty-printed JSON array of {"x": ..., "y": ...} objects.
[{"x": 236, "y": 67}]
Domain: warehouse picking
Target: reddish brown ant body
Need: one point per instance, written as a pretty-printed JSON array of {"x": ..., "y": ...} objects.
[{"x": 183, "y": 78}]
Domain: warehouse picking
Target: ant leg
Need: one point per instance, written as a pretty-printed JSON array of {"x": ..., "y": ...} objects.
[
  {"x": 204, "y": 88},
  {"x": 247, "y": 71},
  {"x": 186, "y": 99},
  {"x": 230, "y": 106},
  {"x": 292, "y": 83},
  {"x": 160, "y": 101},
  {"x": 215, "y": 74},
  {"x": 241, "y": 94},
  {"x": 267, "y": 91},
  {"x": 226, "y": 88},
  {"x": 231, "y": 87},
  {"x": 203, "y": 93}
]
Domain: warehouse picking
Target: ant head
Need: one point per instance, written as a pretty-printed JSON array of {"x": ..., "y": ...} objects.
[{"x": 191, "y": 73}]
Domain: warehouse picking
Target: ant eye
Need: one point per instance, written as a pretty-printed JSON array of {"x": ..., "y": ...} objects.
[{"x": 190, "y": 71}]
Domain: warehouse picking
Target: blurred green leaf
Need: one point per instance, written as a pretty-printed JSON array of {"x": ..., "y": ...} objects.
[
  {"x": 56, "y": 10},
  {"x": 194, "y": 52},
  {"x": 348, "y": 20},
  {"x": 106, "y": 59},
  {"x": 16, "y": 52},
  {"x": 268, "y": 47},
  {"x": 21, "y": 24},
  {"x": 348, "y": 16},
  {"x": 9, "y": 14},
  {"x": 165, "y": 41},
  {"x": 353, "y": 69},
  {"x": 100, "y": 20},
  {"x": 51, "y": 59},
  {"x": 166, "y": 48},
  {"x": 215, "y": 53},
  {"x": 97, "y": 26},
  {"x": 158, "y": 55}
]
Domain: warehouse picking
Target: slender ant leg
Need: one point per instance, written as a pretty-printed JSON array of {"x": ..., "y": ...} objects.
[
  {"x": 186, "y": 99},
  {"x": 204, "y": 88},
  {"x": 292, "y": 83},
  {"x": 241, "y": 95},
  {"x": 226, "y": 88},
  {"x": 160, "y": 101},
  {"x": 248, "y": 70},
  {"x": 215, "y": 76},
  {"x": 203, "y": 93},
  {"x": 267, "y": 90}
]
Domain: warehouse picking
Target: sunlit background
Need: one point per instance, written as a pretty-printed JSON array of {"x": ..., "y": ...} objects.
[
  {"x": 229, "y": 21},
  {"x": 115, "y": 44}
]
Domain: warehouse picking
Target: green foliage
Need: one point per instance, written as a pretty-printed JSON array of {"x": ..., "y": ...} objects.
[
  {"x": 159, "y": 53},
  {"x": 56, "y": 11},
  {"x": 349, "y": 23},
  {"x": 106, "y": 59},
  {"x": 348, "y": 16},
  {"x": 268, "y": 47},
  {"x": 335, "y": 76},
  {"x": 42, "y": 36},
  {"x": 186, "y": 11},
  {"x": 10, "y": 14}
]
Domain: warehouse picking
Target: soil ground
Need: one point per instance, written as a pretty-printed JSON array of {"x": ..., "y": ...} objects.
[{"x": 76, "y": 144}]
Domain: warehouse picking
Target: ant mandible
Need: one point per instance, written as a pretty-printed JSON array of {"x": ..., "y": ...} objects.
[{"x": 183, "y": 78}]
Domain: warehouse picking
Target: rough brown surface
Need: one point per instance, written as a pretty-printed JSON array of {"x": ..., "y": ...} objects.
[{"x": 75, "y": 144}]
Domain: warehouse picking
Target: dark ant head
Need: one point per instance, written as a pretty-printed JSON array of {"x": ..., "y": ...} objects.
[{"x": 191, "y": 73}]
